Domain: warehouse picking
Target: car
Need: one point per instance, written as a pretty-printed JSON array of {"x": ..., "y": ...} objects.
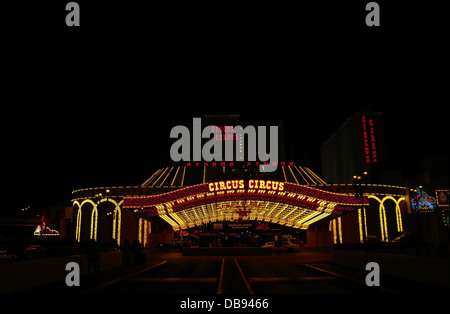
[
  {"x": 371, "y": 238},
  {"x": 34, "y": 251},
  {"x": 7, "y": 257},
  {"x": 284, "y": 245},
  {"x": 406, "y": 237}
]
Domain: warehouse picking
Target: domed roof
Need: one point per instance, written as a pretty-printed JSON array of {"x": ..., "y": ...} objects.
[{"x": 183, "y": 175}]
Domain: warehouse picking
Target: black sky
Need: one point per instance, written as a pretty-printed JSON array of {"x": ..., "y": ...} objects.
[{"x": 92, "y": 105}]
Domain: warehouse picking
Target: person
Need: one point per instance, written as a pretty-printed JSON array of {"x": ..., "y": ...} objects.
[
  {"x": 137, "y": 252},
  {"x": 93, "y": 256},
  {"x": 126, "y": 255}
]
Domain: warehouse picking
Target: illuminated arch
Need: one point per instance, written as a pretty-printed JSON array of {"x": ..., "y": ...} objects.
[
  {"x": 94, "y": 214},
  {"x": 117, "y": 221},
  {"x": 93, "y": 228},
  {"x": 78, "y": 222},
  {"x": 382, "y": 211},
  {"x": 117, "y": 218}
]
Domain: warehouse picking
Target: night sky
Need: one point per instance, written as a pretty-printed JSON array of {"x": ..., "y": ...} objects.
[{"x": 93, "y": 105}]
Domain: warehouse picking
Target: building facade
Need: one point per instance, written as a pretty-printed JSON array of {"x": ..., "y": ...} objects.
[
  {"x": 356, "y": 147},
  {"x": 186, "y": 196}
]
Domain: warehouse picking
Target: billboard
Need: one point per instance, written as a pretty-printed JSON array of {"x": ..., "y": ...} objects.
[
  {"x": 421, "y": 201},
  {"x": 442, "y": 197}
]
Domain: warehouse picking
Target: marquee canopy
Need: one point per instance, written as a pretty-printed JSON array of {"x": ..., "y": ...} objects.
[{"x": 284, "y": 203}]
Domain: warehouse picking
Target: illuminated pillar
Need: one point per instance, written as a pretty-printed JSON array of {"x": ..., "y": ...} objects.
[
  {"x": 398, "y": 215},
  {"x": 140, "y": 230},
  {"x": 78, "y": 227},
  {"x": 94, "y": 220},
  {"x": 117, "y": 222},
  {"x": 336, "y": 228},
  {"x": 145, "y": 233},
  {"x": 383, "y": 224},
  {"x": 333, "y": 227},
  {"x": 362, "y": 225},
  {"x": 340, "y": 229}
]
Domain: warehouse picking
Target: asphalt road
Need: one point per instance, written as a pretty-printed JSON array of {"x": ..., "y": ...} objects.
[
  {"x": 168, "y": 273},
  {"x": 278, "y": 283},
  {"x": 286, "y": 273}
]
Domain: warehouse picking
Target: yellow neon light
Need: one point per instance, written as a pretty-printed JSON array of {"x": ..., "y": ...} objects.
[
  {"x": 254, "y": 209},
  {"x": 145, "y": 233},
  {"x": 334, "y": 232},
  {"x": 182, "y": 178},
  {"x": 293, "y": 174},
  {"x": 140, "y": 230},
  {"x": 175, "y": 176},
  {"x": 78, "y": 225},
  {"x": 315, "y": 176},
  {"x": 94, "y": 219},
  {"x": 340, "y": 229},
  {"x": 382, "y": 210},
  {"x": 361, "y": 225}
]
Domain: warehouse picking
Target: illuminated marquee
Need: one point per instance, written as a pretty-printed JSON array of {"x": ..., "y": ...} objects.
[
  {"x": 243, "y": 184},
  {"x": 238, "y": 190},
  {"x": 283, "y": 203}
]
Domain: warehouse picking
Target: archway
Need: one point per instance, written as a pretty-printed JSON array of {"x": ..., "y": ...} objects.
[
  {"x": 384, "y": 227},
  {"x": 98, "y": 216}
]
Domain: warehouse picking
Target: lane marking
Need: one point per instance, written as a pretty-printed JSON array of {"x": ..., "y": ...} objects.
[
  {"x": 290, "y": 279},
  {"x": 350, "y": 279},
  {"x": 174, "y": 279},
  {"x": 219, "y": 288},
  {"x": 128, "y": 277},
  {"x": 247, "y": 284},
  {"x": 334, "y": 274}
]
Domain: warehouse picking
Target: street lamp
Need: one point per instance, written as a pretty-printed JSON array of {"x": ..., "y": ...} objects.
[{"x": 360, "y": 186}]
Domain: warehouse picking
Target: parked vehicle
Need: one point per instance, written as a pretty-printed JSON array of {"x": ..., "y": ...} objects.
[
  {"x": 289, "y": 245},
  {"x": 7, "y": 257},
  {"x": 406, "y": 237}
]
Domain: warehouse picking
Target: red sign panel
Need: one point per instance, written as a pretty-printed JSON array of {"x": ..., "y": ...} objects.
[{"x": 370, "y": 147}]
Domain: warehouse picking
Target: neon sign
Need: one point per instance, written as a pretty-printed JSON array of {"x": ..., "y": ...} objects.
[
  {"x": 370, "y": 147},
  {"x": 421, "y": 201},
  {"x": 240, "y": 184},
  {"x": 212, "y": 150},
  {"x": 243, "y": 190},
  {"x": 226, "y": 185},
  {"x": 224, "y": 133}
]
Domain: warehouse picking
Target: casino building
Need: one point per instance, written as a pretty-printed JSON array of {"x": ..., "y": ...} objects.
[{"x": 190, "y": 196}]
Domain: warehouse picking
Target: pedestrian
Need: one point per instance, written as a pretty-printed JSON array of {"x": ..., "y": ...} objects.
[
  {"x": 93, "y": 256},
  {"x": 137, "y": 252},
  {"x": 126, "y": 255}
]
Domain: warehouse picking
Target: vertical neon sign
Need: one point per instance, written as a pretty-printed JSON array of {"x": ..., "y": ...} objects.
[{"x": 370, "y": 147}]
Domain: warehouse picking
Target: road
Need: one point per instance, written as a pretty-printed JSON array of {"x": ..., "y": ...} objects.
[
  {"x": 286, "y": 273},
  {"x": 305, "y": 272},
  {"x": 281, "y": 282}
]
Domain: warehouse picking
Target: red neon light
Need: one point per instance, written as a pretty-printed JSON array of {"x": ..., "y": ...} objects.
[
  {"x": 294, "y": 194},
  {"x": 222, "y": 130},
  {"x": 370, "y": 148},
  {"x": 244, "y": 184}
]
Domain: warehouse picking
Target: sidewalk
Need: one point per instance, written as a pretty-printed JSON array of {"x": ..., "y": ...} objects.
[
  {"x": 93, "y": 281},
  {"x": 426, "y": 270}
]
